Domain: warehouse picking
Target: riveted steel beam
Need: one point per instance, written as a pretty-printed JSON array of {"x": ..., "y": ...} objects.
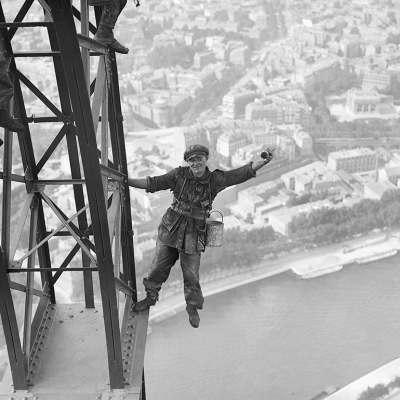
[{"x": 39, "y": 343}]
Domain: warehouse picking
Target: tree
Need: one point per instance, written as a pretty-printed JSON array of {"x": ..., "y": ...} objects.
[
  {"x": 249, "y": 219},
  {"x": 393, "y": 38},
  {"x": 155, "y": 150},
  {"x": 375, "y": 393}
]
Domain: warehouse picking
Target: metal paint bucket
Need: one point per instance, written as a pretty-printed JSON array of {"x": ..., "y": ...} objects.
[{"x": 214, "y": 231}]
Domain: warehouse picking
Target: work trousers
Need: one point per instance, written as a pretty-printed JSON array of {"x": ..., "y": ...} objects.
[
  {"x": 111, "y": 13},
  {"x": 164, "y": 259},
  {"x": 6, "y": 86}
]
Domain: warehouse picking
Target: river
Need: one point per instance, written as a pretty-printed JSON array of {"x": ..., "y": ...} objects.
[{"x": 281, "y": 338}]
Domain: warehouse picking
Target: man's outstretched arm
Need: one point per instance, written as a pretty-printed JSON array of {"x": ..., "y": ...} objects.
[{"x": 140, "y": 183}]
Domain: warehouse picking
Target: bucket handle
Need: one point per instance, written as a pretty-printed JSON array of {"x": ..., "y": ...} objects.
[{"x": 218, "y": 213}]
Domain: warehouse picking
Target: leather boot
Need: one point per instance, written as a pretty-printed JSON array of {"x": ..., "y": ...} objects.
[
  {"x": 194, "y": 317},
  {"x": 105, "y": 36},
  {"x": 94, "y": 3},
  {"x": 144, "y": 304},
  {"x": 8, "y": 122}
]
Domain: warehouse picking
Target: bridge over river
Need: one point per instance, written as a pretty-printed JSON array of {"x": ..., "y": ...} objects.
[{"x": 335, "y": 144}]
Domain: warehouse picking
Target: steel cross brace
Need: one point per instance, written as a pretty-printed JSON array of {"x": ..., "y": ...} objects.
[{"x": 67, "y": 225}]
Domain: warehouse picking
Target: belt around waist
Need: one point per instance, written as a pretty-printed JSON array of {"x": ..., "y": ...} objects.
[{"x": 189, "y": 211}]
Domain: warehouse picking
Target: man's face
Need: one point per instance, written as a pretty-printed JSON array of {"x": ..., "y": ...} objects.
[{"x": 197, "y": 164}]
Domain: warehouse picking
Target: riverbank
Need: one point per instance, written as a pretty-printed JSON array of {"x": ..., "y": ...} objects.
[
  {"x": 316, "y": 261},
  {"x": 381, "y": 376},
  {"x": 371, "y": 249}
]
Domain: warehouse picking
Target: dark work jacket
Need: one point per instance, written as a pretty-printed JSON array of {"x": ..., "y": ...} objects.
[{"x": 182, "y": 232}]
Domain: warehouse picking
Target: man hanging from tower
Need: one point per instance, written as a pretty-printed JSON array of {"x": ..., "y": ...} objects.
[
  {"x": 109, "y": 16},
  {"x": 6, "y": 93},
  {"x": 182, "y": 231}
]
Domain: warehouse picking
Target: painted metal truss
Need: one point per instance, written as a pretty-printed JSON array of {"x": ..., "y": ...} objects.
[{"x": 99, "y": 229}]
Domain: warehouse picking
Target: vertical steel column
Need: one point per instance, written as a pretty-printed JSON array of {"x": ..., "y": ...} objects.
[
  {"x": 30, "y": 280},
  {"x": 11, "y": 333},
  {"x": 104, "y": 137},
  {"x": 6, "y": 210},
  {"x": 120, "y": 161},
  {"x": 7, "y": 311},
  {"x": 74, "y": 72},
  {"x": 85, "y": 32},
  {"x": 74, "y": 163},
  {"x": 44, "y": 254}
]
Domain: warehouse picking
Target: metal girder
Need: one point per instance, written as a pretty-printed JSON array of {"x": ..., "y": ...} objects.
[
  {"x": 73, "y": 69},
  {"x": 11, "y": 333},
  {"x": 39, "y": 341},
  {"x": 118, "y": 146},
  {"x": 103, "y": 228},
  {"x": 134, "y": 335}
]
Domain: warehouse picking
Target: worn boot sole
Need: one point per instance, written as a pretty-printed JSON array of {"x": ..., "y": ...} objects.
[
  {"x": 112, "y": 43},
  {"x": 194, "y": 318},
  {"x": 143, "y": 305}
]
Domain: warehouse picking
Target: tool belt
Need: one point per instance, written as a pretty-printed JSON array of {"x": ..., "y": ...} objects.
[{"x": 188, "y": 210}]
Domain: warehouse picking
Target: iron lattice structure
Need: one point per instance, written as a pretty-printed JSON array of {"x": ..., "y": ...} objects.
[{"x": 89, "y": 115}]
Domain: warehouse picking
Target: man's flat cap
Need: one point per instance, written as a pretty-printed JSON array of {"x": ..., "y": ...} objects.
[{"x": 194, "y": 150}]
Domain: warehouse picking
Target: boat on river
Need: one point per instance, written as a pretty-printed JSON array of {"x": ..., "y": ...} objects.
[
  {"x": 376, "y": 256},
  {"x": 325, "y": 393}
]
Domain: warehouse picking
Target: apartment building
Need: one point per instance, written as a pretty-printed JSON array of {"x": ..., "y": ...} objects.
[
  {"x": 245, "y": 154},
  {"x": 283, "y": 112},
  {"x": 250, "y": 200},
  {"x": 287, "y": 147},
  {"x": 314, "y": 176},
  {"x": 373, "y": 79},
  {"x": 228, "y": 143},
  {"x": 234, "y": 104},
  {"x": 375, "y": 190},
  {"x": 240, "y": 56},
  {"x": 355, "y": 160},
  {"x": 304, "y": 142},
  {"x": 325, "y": 71},
  {"x": 200, "y": 60}
]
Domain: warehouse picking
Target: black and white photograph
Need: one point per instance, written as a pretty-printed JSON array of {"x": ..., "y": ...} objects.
[{"x": 199, "y": 200}]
